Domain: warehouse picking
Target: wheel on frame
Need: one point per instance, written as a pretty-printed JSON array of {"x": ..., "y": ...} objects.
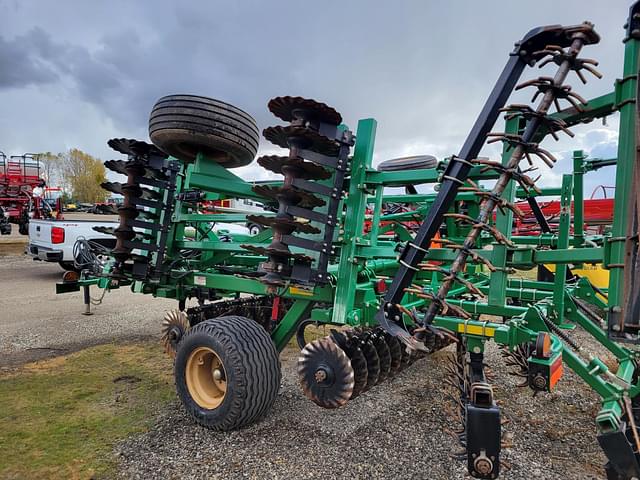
[
  {"x": 227, "y": 372},
  {"x": 185, "y": 125}
]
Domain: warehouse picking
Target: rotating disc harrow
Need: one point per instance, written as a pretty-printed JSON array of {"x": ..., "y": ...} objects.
[
  {"x": 145, "y": 211},
  {"x": 392, "y": 270},
  {"x": 351, "y": 361},
  {"x": 318, "y": 150}
]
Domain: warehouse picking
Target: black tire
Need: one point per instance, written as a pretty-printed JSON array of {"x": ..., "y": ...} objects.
[
  {"x": 251, "y": 366},
  {"x": 254, "y": 228},
  {"x": 23, "y": 228},
  {"x": 184, "y": 125},
  {"x": 408, "y": 163}
]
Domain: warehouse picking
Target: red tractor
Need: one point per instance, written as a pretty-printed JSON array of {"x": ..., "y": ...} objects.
[{"x": 21, "y": 192}]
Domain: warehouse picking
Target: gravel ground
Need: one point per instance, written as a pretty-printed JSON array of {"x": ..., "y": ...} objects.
[
  {"x": 36, "y": 323},
  {"x": 397, "y": 430}
]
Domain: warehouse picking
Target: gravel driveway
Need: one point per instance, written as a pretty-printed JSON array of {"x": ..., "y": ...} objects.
[
  {"x": 36, "y": 323},
  {"x": 397, "y": 430}
]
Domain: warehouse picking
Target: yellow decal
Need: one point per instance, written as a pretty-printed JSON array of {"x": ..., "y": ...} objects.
[
  {"x": 300, "y": 291},
  {"x": 476, "y": 330}
]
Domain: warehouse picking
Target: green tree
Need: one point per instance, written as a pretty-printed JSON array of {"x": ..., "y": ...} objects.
[{"x": 84, "y": 174}]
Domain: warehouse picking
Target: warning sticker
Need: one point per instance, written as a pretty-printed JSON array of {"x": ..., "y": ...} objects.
[{"x": 300, "y": 291}]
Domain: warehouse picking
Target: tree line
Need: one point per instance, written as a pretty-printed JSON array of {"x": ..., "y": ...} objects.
[{"x": 78, "y": 173}]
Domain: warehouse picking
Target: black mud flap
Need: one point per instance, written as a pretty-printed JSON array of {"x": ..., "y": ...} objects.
[
  {"x": 622, "y": 459},
  {"x": 483, "y": 441}
]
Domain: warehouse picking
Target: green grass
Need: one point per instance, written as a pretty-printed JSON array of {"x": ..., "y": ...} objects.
[{"x": 62, "y": 417}]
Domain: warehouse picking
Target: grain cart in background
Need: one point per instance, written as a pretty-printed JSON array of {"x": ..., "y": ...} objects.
[{"x": 389, "y": 293}]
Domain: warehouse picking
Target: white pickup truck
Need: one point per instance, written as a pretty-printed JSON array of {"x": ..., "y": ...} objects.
[{"x": 53, "y": 240}]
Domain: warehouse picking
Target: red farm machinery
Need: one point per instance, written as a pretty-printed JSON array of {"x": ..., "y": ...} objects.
[{"x": 22, "y": 189}]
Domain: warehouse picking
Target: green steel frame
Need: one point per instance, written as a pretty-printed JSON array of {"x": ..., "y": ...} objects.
[{"x": 368, "y": 239}]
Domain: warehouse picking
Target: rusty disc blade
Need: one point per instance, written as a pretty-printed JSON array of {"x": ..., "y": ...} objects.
[
  {"x": 125, "y": 233},
  {"x": 296, "y": 108},
  {"x": 299, "y": 168},
  {"x": 325, "y": 373},
  {"x": 395, "y": 349},
  {"x": 291, "y": 195},
  {"x": 118, "y": 166},
  {"x": 174, "y": 325},
  {"x": 301, "y": 137},
  {"x": 358, "y": 361},
  {"x": 384, "y": 354},
  {"x": 135, "y": 148},
  {"x": 136, "y": 168},
  {"x": 371, "y": 357},
  {"x": 128, "y": 212},
  {"x": 284, "y": 225}
]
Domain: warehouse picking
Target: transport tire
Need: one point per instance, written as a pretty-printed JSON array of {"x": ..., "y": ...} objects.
[
  {"x": 184, "y": 125},
  {"x": 227, "y": 372},
  {"x": 408, "y": 163}
]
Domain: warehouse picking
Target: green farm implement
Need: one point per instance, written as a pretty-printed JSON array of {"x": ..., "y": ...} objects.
[{"x": 393, "y": 284}]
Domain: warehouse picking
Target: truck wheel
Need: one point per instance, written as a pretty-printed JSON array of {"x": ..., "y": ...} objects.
[
  {"x": 184, "y": 125},
  {"x": 23, "y": 228},
  {"x": 227, "y": 372},
  {"x": 254, "y": 229}
]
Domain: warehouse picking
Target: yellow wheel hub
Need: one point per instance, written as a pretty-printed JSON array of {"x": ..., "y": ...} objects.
[{"x": 206, "y": 378}]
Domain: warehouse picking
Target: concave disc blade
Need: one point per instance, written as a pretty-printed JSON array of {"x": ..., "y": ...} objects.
[
  {"x": 293, "y": 108},
  {"x": 325, "y": 373}
]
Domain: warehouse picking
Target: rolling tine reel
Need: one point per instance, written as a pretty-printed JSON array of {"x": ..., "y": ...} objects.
[
  {"x": 558, "y": 55},
  {"x": 501, "y": 203},
  {"x": 482, "y": 437},
  {"x": 550, "y": 89}
]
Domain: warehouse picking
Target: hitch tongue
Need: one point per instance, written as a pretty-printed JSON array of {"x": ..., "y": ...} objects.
[{"x": 482, "y": 394}]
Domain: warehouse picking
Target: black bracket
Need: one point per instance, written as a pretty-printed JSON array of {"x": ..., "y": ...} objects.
[{"x": 619, "y": 451}]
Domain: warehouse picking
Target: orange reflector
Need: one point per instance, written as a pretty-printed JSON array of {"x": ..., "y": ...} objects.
[{"x": 556, "y": 372}]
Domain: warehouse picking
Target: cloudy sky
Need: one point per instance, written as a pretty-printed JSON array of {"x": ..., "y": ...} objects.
[{"x": 76, "y": 73}]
